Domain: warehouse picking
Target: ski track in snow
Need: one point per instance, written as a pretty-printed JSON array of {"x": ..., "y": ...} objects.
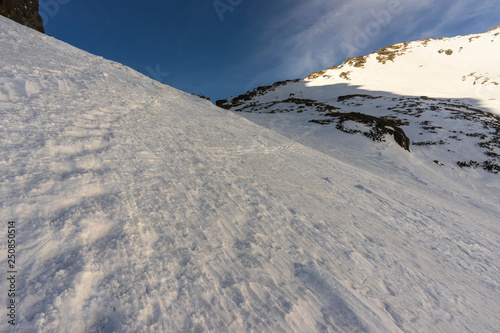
[{"x": 144, "y": 209}]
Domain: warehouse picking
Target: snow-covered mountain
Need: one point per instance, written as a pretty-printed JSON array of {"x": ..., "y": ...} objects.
[
  {"x": 140, "y": 208},
  {"x": 438, "y": 98}
]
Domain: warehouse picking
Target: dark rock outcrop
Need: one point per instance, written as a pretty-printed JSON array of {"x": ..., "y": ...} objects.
[
  {"x": 259, "y": 91},
  {"x": 401, "y": 138},
  {"x": 22, "y": 11},
  {"x": 379, "y": 126}
]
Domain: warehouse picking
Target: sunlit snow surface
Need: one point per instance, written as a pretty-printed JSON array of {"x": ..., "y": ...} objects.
[
  {"x": 140, "y": 208},
  {"x": 459, "y": 67}
]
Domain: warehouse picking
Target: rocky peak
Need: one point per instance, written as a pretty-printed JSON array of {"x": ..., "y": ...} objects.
[{"x": 24, "y": 12}]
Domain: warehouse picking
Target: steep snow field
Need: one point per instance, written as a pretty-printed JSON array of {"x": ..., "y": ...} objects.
[{"x": 140, "y": 208}]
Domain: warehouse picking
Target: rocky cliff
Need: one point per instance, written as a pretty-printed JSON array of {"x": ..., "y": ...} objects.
[{"x": 22, "y": 11}]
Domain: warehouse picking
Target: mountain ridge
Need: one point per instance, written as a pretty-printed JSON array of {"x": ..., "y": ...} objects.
[
  {"x": 419, "y": 87},
  {"x": 385, "y": 54}
]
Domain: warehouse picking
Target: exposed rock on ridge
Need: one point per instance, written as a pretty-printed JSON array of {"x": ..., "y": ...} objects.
[{"x": 24, "y": 12}]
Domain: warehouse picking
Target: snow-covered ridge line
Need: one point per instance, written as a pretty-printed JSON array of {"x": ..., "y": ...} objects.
[
  {"x": 494, "y": 29},
  {"x": 457, "y": 67},
  {"x": 390, "y": 52}
]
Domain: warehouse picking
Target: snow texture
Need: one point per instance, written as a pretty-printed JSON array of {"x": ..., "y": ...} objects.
[{"x": 140, "y": 208}]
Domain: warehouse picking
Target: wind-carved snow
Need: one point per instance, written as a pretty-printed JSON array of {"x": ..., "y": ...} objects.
[{"x": 144, "y": 209}]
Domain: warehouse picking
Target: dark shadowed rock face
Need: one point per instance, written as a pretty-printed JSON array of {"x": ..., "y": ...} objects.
[{"x": 22, "y": 11}]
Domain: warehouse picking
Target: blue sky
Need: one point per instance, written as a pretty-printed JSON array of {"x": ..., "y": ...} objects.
[{"x": 220, "y": 48}]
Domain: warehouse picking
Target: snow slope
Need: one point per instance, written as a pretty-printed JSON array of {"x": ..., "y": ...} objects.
[
  {"x": 449, "y": 118},
  {"x": 459, "y": 67},
  {"x": 140, "y": 208}
]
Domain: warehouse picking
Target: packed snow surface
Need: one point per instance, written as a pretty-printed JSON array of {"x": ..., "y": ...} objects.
[{"x": 140, "y": 208}]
